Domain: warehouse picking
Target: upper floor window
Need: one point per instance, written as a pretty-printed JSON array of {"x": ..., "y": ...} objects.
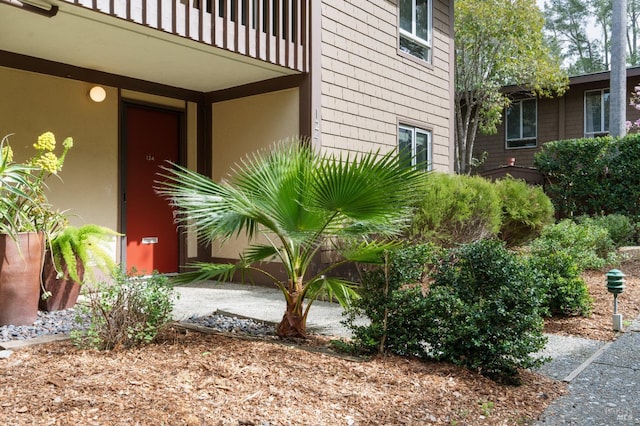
[
  {"x": 522, "y": 123},
  {"x": 414, "y": 145},
  {"x": 415, "y": 28},
  {"x": 596, "y": 112}
]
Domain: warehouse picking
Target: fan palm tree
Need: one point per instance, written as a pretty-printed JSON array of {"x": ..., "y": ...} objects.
[{"x": 298, "y": 199}]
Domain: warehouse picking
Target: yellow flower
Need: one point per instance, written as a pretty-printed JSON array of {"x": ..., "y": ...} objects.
[
  {"x": 46, "y": 142},
  {"x": 47, "y": 162},
  {"x": 7, "y": 154},
  {"x": 68, "y": 143}
]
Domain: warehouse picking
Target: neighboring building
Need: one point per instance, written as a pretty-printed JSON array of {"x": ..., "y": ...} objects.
[
  {"x": 583, "y": 111},
  {"x": 204, "y": 82}
]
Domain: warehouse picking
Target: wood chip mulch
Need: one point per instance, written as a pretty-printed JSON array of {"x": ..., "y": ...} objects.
[
  {"x": 599, "y": 326},
  {"x": 191, "y": 378}
]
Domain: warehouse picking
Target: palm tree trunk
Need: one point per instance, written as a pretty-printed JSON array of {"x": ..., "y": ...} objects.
[
  {"x": 618, "y": 97},
  {"x": 294, "y": 322}
]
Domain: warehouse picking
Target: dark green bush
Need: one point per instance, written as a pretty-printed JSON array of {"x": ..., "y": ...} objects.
[
  {"x": 587, "y": 244},
  {"x": 127, "y": 313},
  {"x": 395, "y": 311},
  {"x": 485, "y": 311},
  {"x": 592, "y": 176},
  {"x": 565, "y": 292},
  {"x": 526, "y": 210},
  {"x": 456, "y": 209},
  {"x": 620, "y": 228}
]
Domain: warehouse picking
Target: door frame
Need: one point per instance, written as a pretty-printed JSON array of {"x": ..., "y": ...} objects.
[{"x": 122, "y": 167}]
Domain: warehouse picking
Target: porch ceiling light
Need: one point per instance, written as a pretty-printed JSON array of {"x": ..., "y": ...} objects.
[
  {"x": 97, "y": 94},
  {"x": 41, "y": 7},
  {"x": 42, "y": 4}
]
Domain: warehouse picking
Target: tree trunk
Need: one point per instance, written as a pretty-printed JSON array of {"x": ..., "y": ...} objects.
[
  {"x": 294, "y": 323},
  {"x": 618, "y": 103}
]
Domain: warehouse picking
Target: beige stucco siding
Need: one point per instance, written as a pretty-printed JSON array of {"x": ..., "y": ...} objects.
[
  {"x": 243, "y": 126},
  {"x": 35, "y": 103},
  {"x": 368, "y": 87}
]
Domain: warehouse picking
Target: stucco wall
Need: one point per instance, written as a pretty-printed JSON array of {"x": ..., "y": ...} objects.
[
  {"x": 243, "y": 126},
  {"x": 368, "y": 88},
  {"x": 33, "y": 104}
]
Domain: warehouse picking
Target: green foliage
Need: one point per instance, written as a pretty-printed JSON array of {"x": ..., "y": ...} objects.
[
  {"x": 587, "y": 244},
  {"x": 485, "y": 311},
  {"x": 565, "y": 292},
  {"x": 577, "y": 170},
  {"x": 127, "y": 313},
  {"x": 299, "y": 198},
  {"x": 455, "y": 209},
  {"x": 593, "y": 176},
  {"x": 393, "y": 303},
  {"x": 620, "y": 228},
  {"x": 566, "y": 20},
  {"x": 23, "y": 202},
  {"x": 482, "y": 311},
  {"x": 526, "y": 210},
  {"x": 87, "y": 245},
  {"x": 458, "y": 209},
  {"x": 498, "y": 42}
]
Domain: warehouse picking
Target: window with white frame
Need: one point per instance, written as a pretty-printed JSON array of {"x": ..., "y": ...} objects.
[
  {"x": 414, "y": 145},
  {"x": 416, "y": 27},
  {"x": 596, "y": 112},
  {"x": 522, "y": 124}
]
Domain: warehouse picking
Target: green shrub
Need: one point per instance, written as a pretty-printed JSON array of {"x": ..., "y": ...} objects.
[
  {"x": 565, "y": 292},
  {"x": 577, "y": 170},
  {"x": 395, "y": 312},
  {"x": 620, "y": 228},
  {"x": 587, "y": 244},
  {"x": 127, "y": 313},
  {"x": 456, "y": 209},
  {"x": 592, "y": 176},
  {"x": 526, "y": 210},
  {"x": 484, "y": 311}
]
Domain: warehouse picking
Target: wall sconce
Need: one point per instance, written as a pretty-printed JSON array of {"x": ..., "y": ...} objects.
[{"x": 97, "y": 94}]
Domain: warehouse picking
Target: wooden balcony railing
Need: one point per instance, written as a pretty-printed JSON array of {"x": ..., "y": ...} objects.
[{"x": 276, "y": 31}]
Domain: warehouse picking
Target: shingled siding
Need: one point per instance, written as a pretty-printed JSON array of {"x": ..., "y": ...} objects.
[
  {"x": 368, "y": 88},
  {"x": 558, "y": 118}
]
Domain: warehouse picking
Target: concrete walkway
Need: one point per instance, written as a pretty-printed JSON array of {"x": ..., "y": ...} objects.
[
  {"x": 257, "y": 302},
  {"x": 604, "y": 389},
  {"x": 603, "y": 377}
]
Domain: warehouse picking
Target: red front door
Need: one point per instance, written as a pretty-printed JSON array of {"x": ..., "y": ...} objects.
[{"x": 151, "y": 137}]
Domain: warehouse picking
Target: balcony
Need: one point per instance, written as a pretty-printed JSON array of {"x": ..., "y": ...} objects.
[
  {"x": 201, "y": 45},
  {"x": 277, "y": 31}
]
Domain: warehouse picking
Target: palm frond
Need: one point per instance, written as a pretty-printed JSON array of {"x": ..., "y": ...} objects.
[
  {"x": 259, "y": 253},
  {"x": 207, "y": 271},
  {"x": 339, "y": 289},
  {"x": 371, "y": 252},
  {"x": 369, "y": 192}
]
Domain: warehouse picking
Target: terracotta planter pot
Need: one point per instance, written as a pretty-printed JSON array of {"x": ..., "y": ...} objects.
[
  {"x": 64, "y": 291},
  {"x": 20, "y": 271}
]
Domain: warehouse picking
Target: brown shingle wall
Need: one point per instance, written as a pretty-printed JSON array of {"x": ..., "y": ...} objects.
[{"x": 559, "y": 118}]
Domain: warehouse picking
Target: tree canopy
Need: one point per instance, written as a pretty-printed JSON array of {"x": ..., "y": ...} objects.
[
  {"x": 580, "y": 30},
  {"x": 498, "y": 43}
]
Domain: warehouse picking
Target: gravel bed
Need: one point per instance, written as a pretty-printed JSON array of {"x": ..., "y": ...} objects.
[
  {"x": 62, "y": 322},
  {"x": 47, "y": 323}
]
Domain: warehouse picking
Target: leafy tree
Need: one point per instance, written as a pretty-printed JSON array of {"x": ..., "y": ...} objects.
[
  {"x": 566, "y": 20},
  {"x": 583, "y": 51},
  {"x": 298, "y": 199},
  {"x": 498, "y": 43}
]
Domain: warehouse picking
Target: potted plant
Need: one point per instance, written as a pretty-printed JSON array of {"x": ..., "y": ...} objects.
[
  {"x": 26, "y": 222},
  {"x": 72, "y": 252}
]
